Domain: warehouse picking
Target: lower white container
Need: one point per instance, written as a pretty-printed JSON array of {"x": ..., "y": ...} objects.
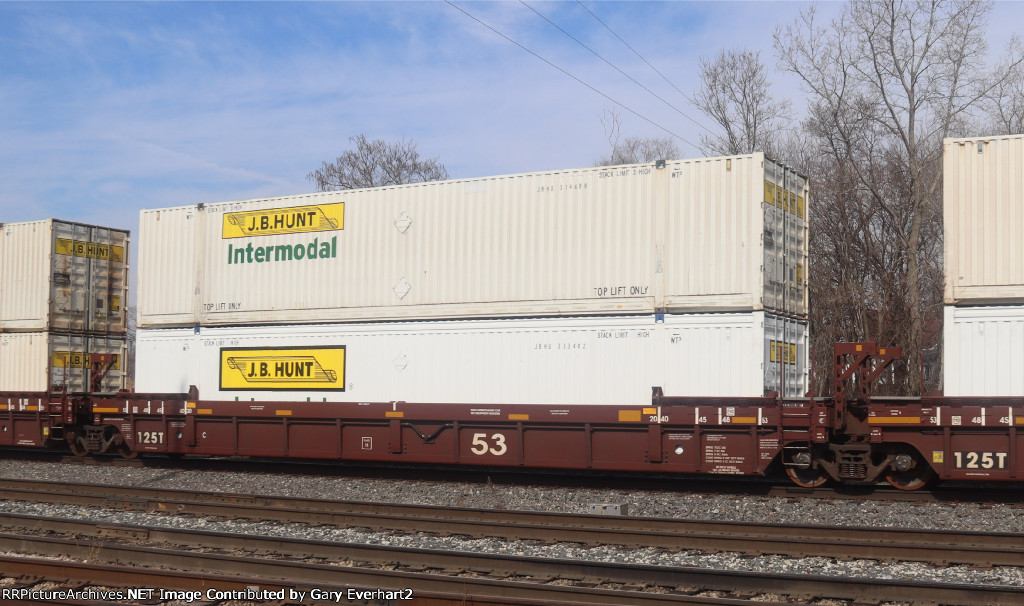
[
  {"x": 38, "y": 361},
  {"x": 592, "y": 360},
  {"x": 984, "y": 351}
]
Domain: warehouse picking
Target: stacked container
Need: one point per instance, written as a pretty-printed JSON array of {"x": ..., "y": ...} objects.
[
  {"x": 588, "y": 285},
  {"x": 983, "y": 196},
  {"x": 63, "y": 287}
]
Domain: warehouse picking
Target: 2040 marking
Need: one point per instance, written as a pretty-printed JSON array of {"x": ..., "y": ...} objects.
[
  {"x": 481, "y": 446},
  {"x": 149, "y": 437},
  {"x": 979, "y": 460}
]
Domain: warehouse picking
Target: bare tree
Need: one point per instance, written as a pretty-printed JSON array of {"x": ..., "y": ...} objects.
[
  {"x": 888, "y": 81},
  {"x": 736, "y": 94},
  {"x": 375, "y": 163},
  {"x": 1006, "y": 106},
  {"x": 633, "y": 150}
]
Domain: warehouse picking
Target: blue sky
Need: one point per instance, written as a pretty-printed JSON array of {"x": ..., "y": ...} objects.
[{"x": 108, "y": 108}]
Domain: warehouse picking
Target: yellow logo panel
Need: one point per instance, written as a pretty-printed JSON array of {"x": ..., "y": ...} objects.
[
  {"x": 778, "y": 350},
  {"x": 276, "y": 221},
  {"x": 769, "y": 192},
  {"x": 282, "y": 369},
  {"x": 91, "y": 250},
  {"x": 77, "y": 359}
]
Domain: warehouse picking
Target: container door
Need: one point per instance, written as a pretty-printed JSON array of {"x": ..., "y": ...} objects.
[
  {"x": 785, "y": 356},
  {"x": 785, "y": 240}
]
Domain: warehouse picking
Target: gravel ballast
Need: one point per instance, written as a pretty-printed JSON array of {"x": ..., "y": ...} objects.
[{"x": 997, "y": 517}]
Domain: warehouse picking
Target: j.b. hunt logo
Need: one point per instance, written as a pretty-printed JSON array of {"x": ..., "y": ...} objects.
[
  {"x": 78, "y": 359},
  {"x": 91, "y": 250},
  {"x": 278, "y": 221},
  {"x": 282, "y": 369},
  {"x": 291, "y": 220}
]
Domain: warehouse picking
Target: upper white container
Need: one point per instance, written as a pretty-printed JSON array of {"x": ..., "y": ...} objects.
[
  {"x": 63, "y": 276},
  {"x": 983, "y": 196},
  {"x": 716, "y": 234}
]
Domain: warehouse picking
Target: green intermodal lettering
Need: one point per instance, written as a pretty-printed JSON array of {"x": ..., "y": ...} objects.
[{"x": 283, "y": 252}]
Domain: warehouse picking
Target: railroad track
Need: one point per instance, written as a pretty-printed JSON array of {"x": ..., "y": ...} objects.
[
  {"x": 885, "y": 544},
  {"x": 300, "y": 565}
]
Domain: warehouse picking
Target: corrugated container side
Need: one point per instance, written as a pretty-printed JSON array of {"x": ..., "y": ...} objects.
[
  {"x": 713, "y": 253},
  {"x": 543, "y": 361},
  {"x": 983, "y": 216},
  {"x": 984, "y": 351},
  {"x": 575, "y": 242},
  {"x": 37, "y": 361},
  {"x": 736, "y": 236},
  {"x": 25, "y": 275},
  {"x": 536, "y": 244},
  {"x": 169, "y": 285},
  {"x": 63, "y": 276}
]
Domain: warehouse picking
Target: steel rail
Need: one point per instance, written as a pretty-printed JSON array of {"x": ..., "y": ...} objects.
[
  {"x": 191, "y": 568},
  {"x": 92, "y": 542},
  {"x": 887, "y": 544}
]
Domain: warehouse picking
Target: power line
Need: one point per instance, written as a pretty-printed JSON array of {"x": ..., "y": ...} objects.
[
  {"x": 615, "y": 67},
  {"x": 622, "y": 105},
  {"x": 631, "y": 48}
]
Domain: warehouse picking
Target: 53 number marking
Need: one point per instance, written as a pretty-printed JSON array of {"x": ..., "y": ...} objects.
[{"x": 481, "y": 445}]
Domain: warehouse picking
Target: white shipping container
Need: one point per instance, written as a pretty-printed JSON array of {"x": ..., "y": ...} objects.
[
  {"x": 984, "y": 351},
  {"x": 44, "y": 360},
  {"x": 983, "y": 216},
  {"x": 63, "y": 277},
  {"x": 580, "y": 360},
  {"x": 717, "y": 234}
]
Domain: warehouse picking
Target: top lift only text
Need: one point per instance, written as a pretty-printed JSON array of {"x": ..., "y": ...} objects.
[{"x": 620, "y": 291}]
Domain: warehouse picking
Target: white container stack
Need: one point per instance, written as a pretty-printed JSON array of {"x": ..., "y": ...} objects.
[
  {"x": 510, "y": 282},
  {"x": 983, "y": 216},
  {"x": 63, "y": 290}
]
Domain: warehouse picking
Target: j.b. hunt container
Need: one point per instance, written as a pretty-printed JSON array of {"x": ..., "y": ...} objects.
[
  {"x": 715, "y": 234},
  {"x": 63, "y": 277},
  {"x": 555, "y": 361},
  {"x": 39, "y": 361}
]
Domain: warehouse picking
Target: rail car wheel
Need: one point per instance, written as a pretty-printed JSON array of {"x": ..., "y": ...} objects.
[
  {"x": 909, "y": 473},
  {"x": 807, "y": 478},
  {"x": 127, "y": 452},
  {"x": 77, "y": 449}
]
